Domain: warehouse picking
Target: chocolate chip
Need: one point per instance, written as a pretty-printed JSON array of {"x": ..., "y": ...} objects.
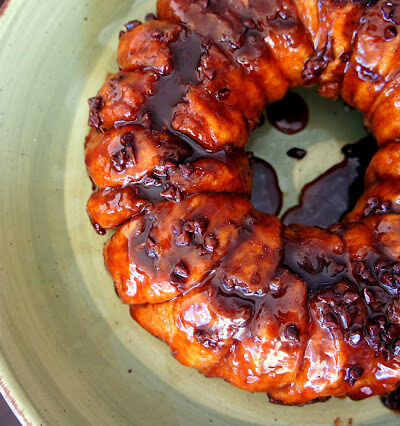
[
  {"x": 203, "y": 3},
  {"x": 189, "y": 226},
  {"x": 181, "y": 270},
  {"x": 157, "y": 34},
  {"x": 147, "y": 120},
  {"x": 388, "y": 282},
  {"x": 209, "y": 73},
  {"x": 249, "y": 24},
  {"x": 393, "y": 331},
  {"x": 228, "y": 148},
  {"x": 354, "y": 337},
  {"x": 249, "y": 221},
  {"x": 370, "y": 205},
  {"x": 202, "y": 251},
  {"x": 330, "y": 320},
  {"x": 177, "y": 227},
  {"x": 206, "y": 43},
  {"x": 369, "y": 295},
  {"x": 361, "y": 270},
  {"x": 345, "y": 57},
  {"x": 381, "y": 321},
  {"x": 164, "y": 165},
  {"x": 381, "y": 264},
  {"x": 236, "y": 43},
  {"x": 120, "y": 160},
  {"x": 353, "y": 374},
  {"x": 292, "y": 333},
  {"x": 127, "y": 138},
  {"x": 132, "y": 24},
  {"x": 210, "y": 242},
  {"x": 390, "y": 33},
  {"x": 367, "y": 74},
  {"x": 297, "y": 153},
  {"x": 186, "y": 170},
  {"x": 95, "y": 105},
  {"x": 150, "y": 246},
  {"x": 373, "y": 332},
  {"x": 184, "y": 239},
  {"x": 151, "y": 181},
  {"x": 350, "y": 297},
  {"x": 383, "y": 207},
  {"x": 169, "y": 193},
  {"x": 276, "y": 289},
  {"x": 389, "y": 12},
  {"x": 344, "y": 316},
  {"x": 172, "y": 193},
  {"x": 223, "y": 94},
  {"x": 396, "y": 348},
  {"x": 201, "y": 225}
]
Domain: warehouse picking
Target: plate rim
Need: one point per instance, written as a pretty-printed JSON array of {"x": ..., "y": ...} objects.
[{"x": 10, "y": 389}]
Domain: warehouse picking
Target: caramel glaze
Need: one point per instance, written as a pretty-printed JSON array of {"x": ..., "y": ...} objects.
[{"x": 302, "y": 313}]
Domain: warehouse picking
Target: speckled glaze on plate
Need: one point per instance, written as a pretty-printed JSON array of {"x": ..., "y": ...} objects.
[{"x": 69, "y": 352}]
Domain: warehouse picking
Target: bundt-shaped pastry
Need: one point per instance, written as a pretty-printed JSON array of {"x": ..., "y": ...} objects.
[{"x": 302, "y": 313}]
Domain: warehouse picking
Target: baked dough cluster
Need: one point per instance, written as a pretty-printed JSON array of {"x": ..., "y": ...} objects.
[{"x": 301, "y": 313}]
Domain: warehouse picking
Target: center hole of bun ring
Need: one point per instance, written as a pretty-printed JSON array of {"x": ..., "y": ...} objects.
[{"x": 311, "y": 171}]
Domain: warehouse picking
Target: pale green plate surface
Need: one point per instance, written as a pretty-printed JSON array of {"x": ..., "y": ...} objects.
[{"x": 66, "y": 342}]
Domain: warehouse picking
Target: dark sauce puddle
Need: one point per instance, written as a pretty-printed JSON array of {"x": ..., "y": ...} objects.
[
  {"x": 289, "y": 115},
  {"x": 330, "y": 196},
  {"x": 266, "y": 195}
]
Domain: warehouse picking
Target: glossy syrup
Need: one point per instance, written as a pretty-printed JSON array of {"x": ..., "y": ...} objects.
[{"x": 186, "y": 55}]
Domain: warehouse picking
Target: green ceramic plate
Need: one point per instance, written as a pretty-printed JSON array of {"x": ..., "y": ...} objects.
[{"x": 69, "y": 353}]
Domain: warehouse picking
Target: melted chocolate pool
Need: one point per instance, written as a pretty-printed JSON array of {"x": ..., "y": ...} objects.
[
  {"x": 266, "y": 195},
  {"x": 289, "y": 115},
  {"x": 330, "y": 196}
]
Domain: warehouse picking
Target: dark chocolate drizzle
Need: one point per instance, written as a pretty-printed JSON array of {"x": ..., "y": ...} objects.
[{"x": 169, "y": 90}]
